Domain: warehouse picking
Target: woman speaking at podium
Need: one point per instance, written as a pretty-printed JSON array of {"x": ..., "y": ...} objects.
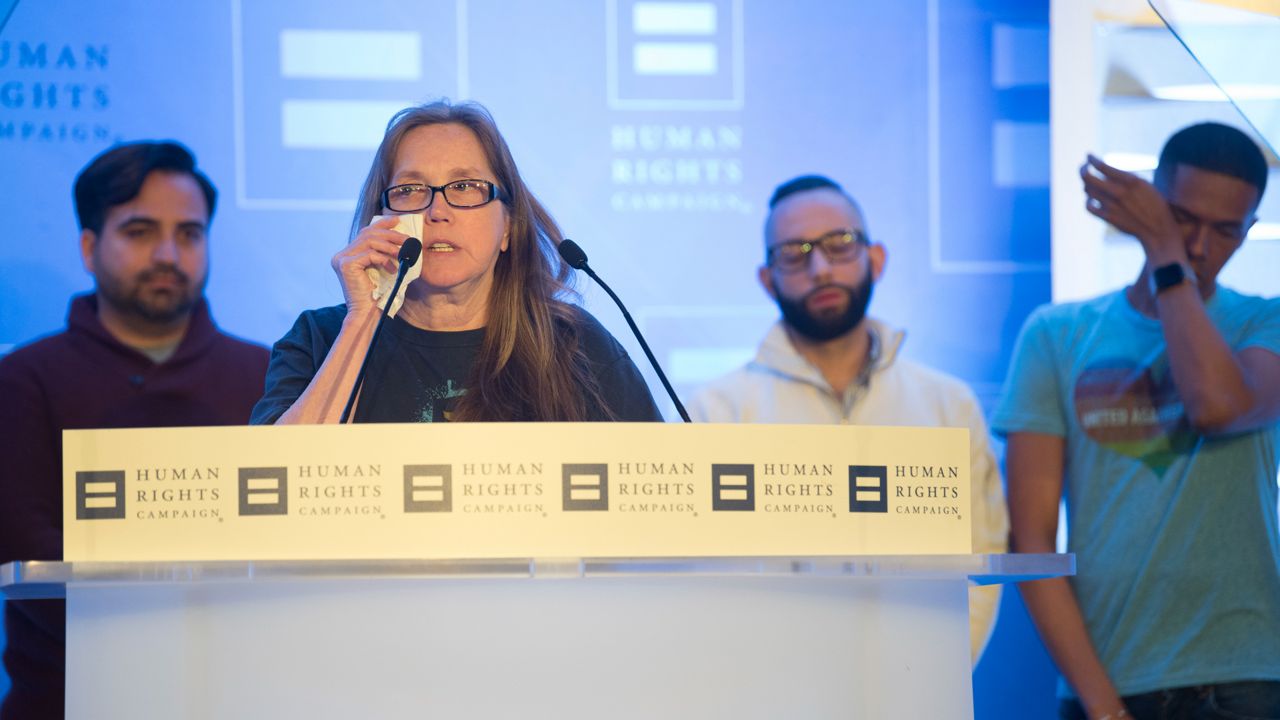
[{"x": 484, "y": 332}]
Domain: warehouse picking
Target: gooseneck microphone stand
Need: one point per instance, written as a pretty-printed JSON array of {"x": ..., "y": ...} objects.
[
  {"x": 577, "y": 259},
  {"x": 409, "y": 253}
]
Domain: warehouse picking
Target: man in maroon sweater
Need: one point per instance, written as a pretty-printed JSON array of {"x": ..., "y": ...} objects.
[{"x": 140, "y": 351}]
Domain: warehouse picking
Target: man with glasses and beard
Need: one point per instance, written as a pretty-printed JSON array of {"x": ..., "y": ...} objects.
[
  {"x": 827, "y": 362},
  {"x": 140, "y": 351}
]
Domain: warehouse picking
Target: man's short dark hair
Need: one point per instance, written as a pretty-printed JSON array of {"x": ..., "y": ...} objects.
[
  {"x": 116, "y": 176},
  {"x": 802, "y": 184},
  {"x": 1214, "y": 147},
  {"x": 805, "y": 183}
]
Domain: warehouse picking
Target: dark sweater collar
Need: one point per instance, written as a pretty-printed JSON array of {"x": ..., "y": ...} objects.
[{"x": 82, "y": 318}]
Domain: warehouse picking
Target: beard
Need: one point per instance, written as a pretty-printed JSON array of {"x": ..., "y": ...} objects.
[
  {"x": 161, "y": 306},
  {"x": 827, "y": 325}
]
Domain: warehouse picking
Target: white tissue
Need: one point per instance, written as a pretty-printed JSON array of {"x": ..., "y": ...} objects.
[{"x": 410, "y": 224}]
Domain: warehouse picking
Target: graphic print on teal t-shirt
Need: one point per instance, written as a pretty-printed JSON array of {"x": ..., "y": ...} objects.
[
  {"x": 439, "y": 400},
  {"x": 1134, "y": 410}
]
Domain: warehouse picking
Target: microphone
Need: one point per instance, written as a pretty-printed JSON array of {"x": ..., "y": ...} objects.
[
  {"x": 574, "y": 255},
  {"x": 409, "y": 252},
  {"x": 577, "y": 260}
]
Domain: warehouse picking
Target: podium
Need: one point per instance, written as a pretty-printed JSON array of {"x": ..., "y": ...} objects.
[
  {"x": 496, "y": 571},
  {"x": 857, "y": 637}
]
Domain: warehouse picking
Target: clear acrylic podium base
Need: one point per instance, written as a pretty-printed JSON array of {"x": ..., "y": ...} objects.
[{"x": 855, "y": 637}]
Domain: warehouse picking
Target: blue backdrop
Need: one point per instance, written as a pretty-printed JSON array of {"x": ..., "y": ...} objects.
[{"x": 653, "y": 131}]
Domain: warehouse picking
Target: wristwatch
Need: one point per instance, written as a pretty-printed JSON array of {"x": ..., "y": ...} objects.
[{"x": 1171, "y": 275}]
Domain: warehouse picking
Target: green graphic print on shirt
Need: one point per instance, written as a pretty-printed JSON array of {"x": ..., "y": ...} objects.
[{"x": 439, "y": 402}]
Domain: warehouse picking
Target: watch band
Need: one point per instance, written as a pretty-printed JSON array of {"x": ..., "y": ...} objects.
[{"x": 1171, "y": 275}]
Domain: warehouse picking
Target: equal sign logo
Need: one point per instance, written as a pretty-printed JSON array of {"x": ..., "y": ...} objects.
[
  {"x": 100, "y": 495},
  {"x": 868, "y": 489},
  {"x": 313, "y": 97},
  {"x": 428, "y": 488},
  {"x": 733, "y": 487},
  {"x": 665, "y": 55},
  {"x": 264, "y": 491},
  {"x": 344, "y": 55},
  {"x": 585, "y": 486}
]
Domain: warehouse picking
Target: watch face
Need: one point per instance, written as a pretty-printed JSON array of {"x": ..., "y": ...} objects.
[{"x": 1167, "y": 276}]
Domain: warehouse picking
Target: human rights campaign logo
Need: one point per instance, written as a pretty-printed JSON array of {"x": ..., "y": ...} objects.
[
  {"x": 315, "y": 84},
  {"x": 733, "y": 487},
  {"x": 428, "y": 488},
  {"x": 100, "y": 495},
  {"x": 264, "y": 491},
  {"x": 674, "y": 55},
  {"x": 868, "y": 489},
  {"x": 585, "y": 486}
]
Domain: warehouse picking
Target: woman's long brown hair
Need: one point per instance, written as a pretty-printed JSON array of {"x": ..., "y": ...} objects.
[{"x": 531, "y": 365}]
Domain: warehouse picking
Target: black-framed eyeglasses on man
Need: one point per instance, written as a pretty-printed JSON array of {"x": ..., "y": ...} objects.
[
  {"x": 839, "y": 246},
  {"x": 412, "y": 197}
]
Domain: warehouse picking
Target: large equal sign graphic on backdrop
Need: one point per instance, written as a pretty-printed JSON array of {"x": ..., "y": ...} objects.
[
  {"x": 675, "y": 55},
  {"x": 317, "y": 83}
]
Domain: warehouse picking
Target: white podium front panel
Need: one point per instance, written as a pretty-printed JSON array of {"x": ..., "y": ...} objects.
[{"x": 615, "y": 647}]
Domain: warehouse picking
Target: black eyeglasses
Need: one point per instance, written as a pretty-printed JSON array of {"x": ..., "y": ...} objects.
[
  {"x": 840, "y": 246},
  {"x": 413, "y": 197}
]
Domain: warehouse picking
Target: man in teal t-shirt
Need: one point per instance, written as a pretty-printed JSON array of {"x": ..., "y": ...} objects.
[{"x": 1155, "y": 410}]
